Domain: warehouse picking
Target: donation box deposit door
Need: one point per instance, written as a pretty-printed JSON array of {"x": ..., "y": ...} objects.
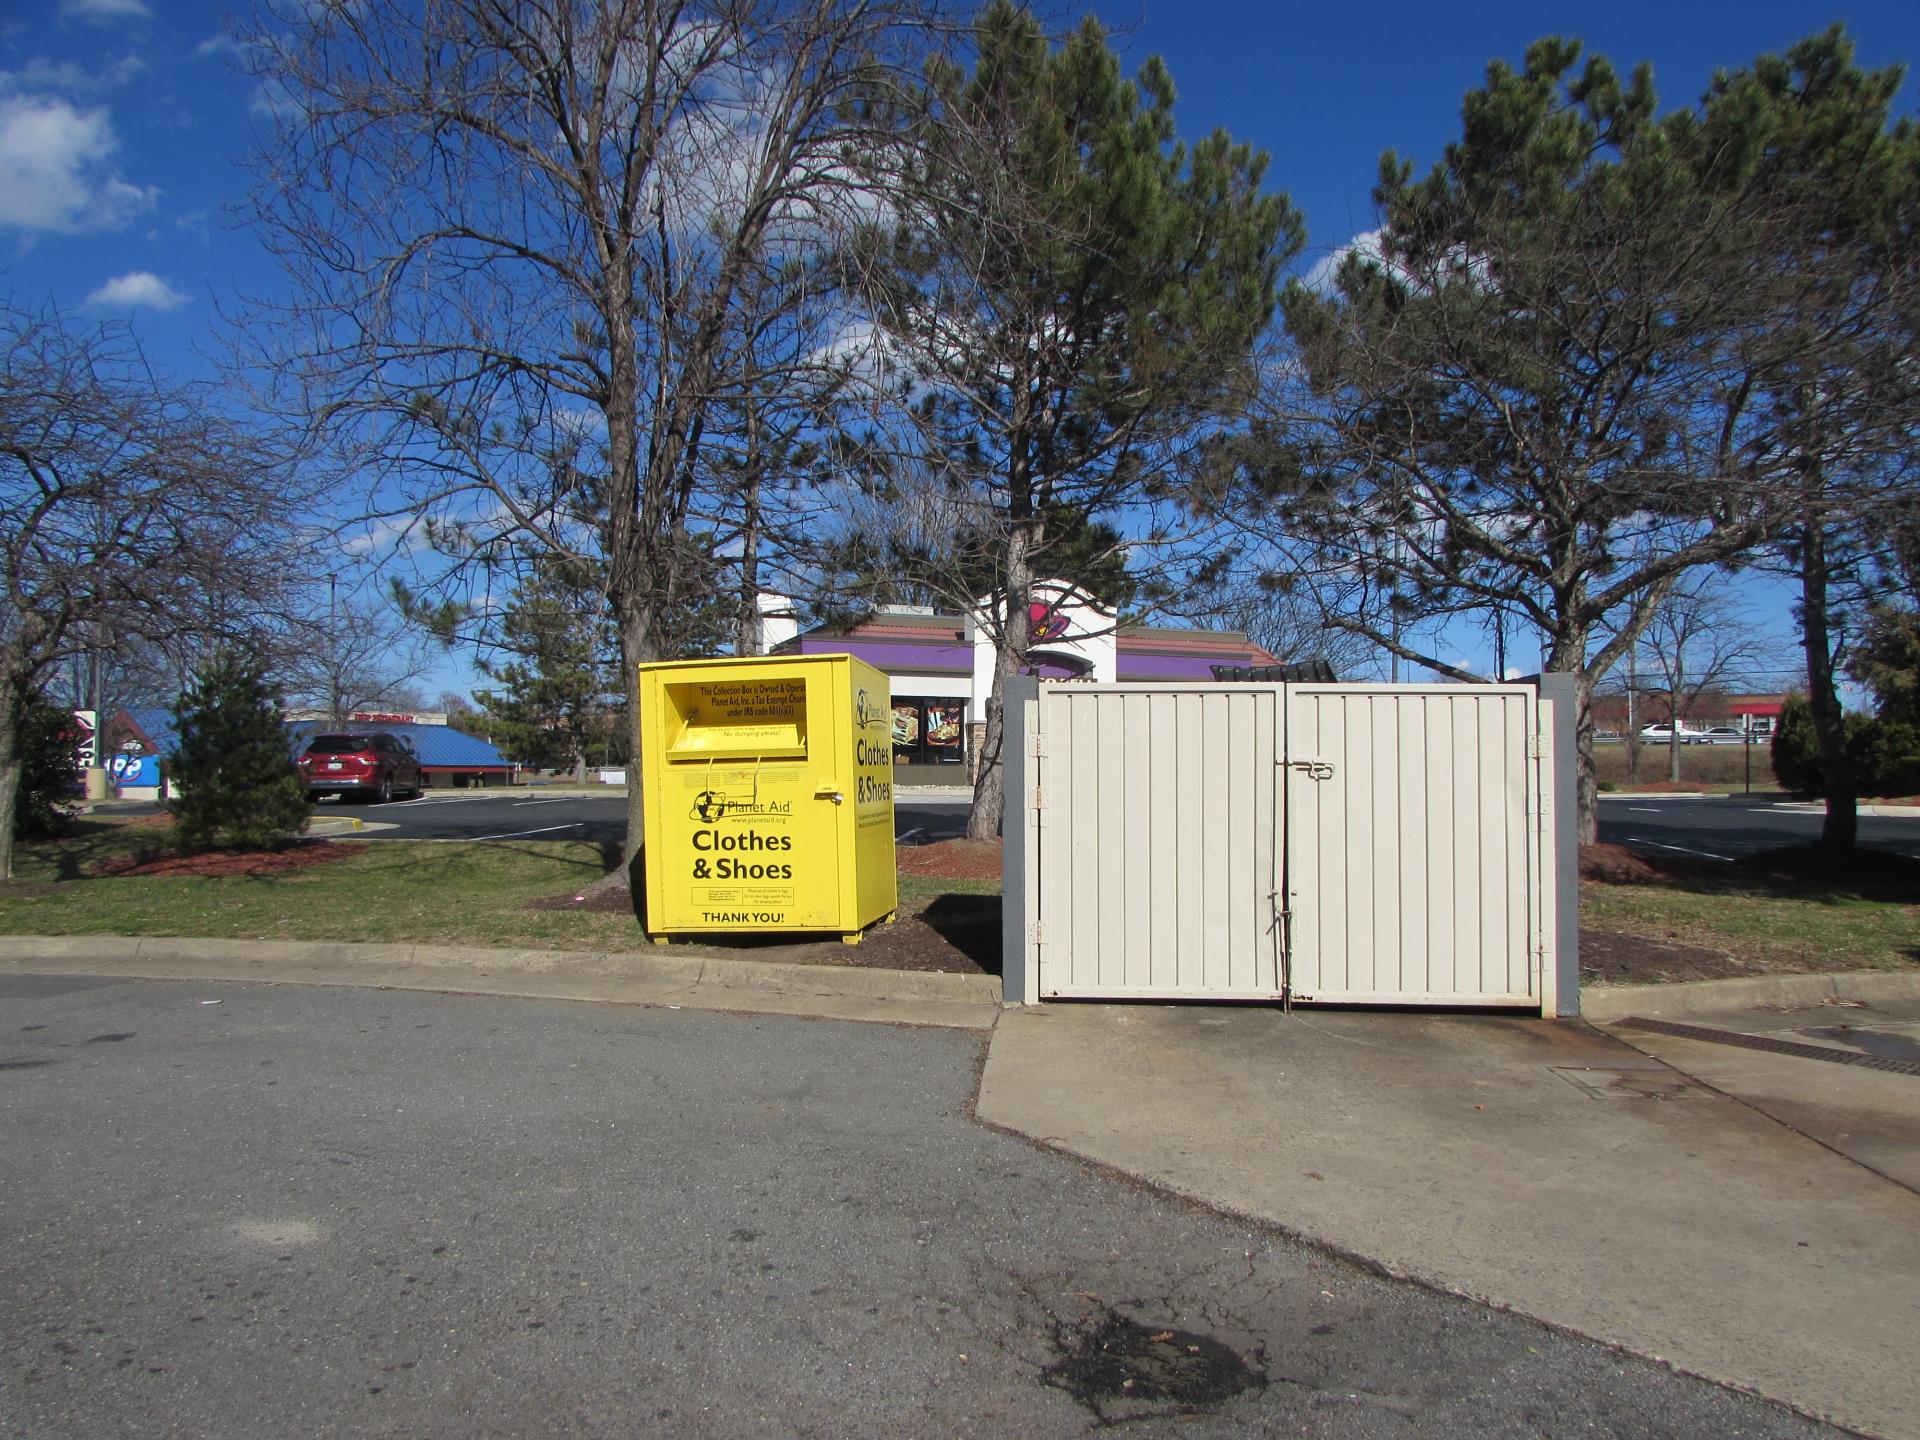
[{"x": 768, "y": 795}]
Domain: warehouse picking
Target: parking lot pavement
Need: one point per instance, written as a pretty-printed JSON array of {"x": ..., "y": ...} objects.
[
  {"x": 1725, "y": 827},
  {"x": 596, "y": 816},
  {"x": 236, "y": 1211},
  {"x": 1845, "y": 1073},
  {"x": 1542, "y": 1165}
]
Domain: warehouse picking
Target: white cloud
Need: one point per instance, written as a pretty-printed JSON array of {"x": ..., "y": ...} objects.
[
  {"x": 391, "y": 535},
  {"x": 105, "y": 12},
  {"x": 224, "y": 43},
  {"x": 69, "y": 76},
  {"x": 272, "y": 100},
  {"x": 197, "y": 223},
  {"x": 580, "y": 424},
  {"x": 140, "y": 287},
  {"x": 56, "y": 170},
  {"x": 1321, "y": 276}
]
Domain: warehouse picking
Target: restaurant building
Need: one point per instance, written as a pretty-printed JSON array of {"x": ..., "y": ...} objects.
[{"x": 941, "y": 665}]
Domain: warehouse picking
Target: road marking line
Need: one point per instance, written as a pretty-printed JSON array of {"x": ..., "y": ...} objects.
[
  {"x": 556, "y": 801},
  {"x": 509, "y": 835},
  {"x": 1641, "y": 810},
  {"x": 1703, "y": 854}
]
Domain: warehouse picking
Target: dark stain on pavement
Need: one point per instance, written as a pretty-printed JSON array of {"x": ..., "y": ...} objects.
[
  {"x": 1113, "y": 1365},
  {"x": 112, "y": 1038},
  {"x": 1871, "y": 1042}
]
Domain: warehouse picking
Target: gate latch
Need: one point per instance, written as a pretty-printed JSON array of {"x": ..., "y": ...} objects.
[{"x": 1313, "y": 769}]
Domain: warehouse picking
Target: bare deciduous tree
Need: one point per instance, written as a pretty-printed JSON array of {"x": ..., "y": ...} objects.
[
  {"x": 129, "y": 509},
  {"x": 1700, "y": 637},
  {"x": 527, "y": 241},
  {"x": 353, "y": 654}
]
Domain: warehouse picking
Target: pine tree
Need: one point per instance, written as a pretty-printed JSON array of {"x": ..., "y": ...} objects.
[
  {"x": 556, "y": 692},
  {"x": 237, "y": 783},
  {"x": 49, "y": 777},
  {"x": 1071, "y": 296}
]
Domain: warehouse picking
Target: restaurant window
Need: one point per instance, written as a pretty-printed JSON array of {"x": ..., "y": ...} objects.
[{"x": 929, "y": 730}]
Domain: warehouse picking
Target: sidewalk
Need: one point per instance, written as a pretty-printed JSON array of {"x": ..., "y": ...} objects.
[
  {"x": 1545, "y": 1167},
  {"x": 660, "y": 977},
  {"x": 1548, "y": 1167}
]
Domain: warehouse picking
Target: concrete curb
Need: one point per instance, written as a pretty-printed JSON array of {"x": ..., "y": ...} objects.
[
  {"x": 1662, "y": 795},
  {"x": 906, "y": 997},
  {"x": 1602, "y": 1004}
]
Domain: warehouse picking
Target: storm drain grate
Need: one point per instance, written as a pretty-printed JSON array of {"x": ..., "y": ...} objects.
[{"x": 1768, "y": 1043}]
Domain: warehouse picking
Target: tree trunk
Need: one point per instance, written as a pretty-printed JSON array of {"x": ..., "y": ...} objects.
[
  {"x": 746, "y": 632},
  {"x": 1568, "y": 656},
  {"x": 1841, "y": 828},
  {"x": 10, "y": 710},
  {"x": 1586, "y": 784},
  {"x": 638, "y": 645},
  {"x": 1010, "y": 654}
]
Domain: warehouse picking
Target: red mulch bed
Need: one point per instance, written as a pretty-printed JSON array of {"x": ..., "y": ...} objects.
[
  {"x": 1617, "y": 865},
  {"x": 247, "y": 863}
]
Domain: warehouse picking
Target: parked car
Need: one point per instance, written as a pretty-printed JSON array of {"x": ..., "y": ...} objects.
[
  {"x": 1729, "y": 735},
  {"x": 362, "y": 764},
  {"x": 1664, "y": 735}
]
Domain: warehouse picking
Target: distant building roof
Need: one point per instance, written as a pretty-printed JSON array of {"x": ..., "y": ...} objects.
[
  {"x": 438, "y": 746},
  {"x": 155, "y": 726}
]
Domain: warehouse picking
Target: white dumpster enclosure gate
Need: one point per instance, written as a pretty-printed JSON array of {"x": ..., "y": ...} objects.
[{"x": 1306, "y": 842}]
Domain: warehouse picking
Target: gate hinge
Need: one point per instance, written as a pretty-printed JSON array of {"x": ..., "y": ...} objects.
[
  {"x": 1037, "y": 743},
  {"x": 1536, "y": 746},
  {"x": 1039, "y": 797},
  {"x": 1037, "y": 932}
]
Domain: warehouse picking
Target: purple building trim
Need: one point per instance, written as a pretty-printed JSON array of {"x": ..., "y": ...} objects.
[
  {"x": 952, "y": 658},
  {"x": 1174, "y": 667}
]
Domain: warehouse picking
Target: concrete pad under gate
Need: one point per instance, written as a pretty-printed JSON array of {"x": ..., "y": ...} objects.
[{"x": 1537, "y": 1165}]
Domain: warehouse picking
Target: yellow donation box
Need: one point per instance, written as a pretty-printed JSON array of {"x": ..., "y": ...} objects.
[{"x": 769, "y": 795}]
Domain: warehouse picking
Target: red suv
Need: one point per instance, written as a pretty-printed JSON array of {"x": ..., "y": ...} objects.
[{"x": 367, "y": 764}]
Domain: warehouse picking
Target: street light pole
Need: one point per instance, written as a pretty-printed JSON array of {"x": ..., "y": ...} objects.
[{"x": 332, "y": 650}]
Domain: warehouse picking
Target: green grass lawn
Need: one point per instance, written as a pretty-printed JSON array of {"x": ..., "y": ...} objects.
[
  {"x": 422, "y": 892},
  {"x": 416, "y": 892},
  {"x": 1777, "y": 927}
]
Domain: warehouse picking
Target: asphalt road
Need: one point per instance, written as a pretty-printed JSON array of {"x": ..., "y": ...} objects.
[
  {"x": 602, "y": 819},
  {"x": 307, "y": 1211},
  {"x": 1722, "y": 826},
  {"x": 1728, "y": 826}
]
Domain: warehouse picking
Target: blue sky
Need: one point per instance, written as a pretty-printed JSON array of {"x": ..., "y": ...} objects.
[{"x": 123, "y": 122}]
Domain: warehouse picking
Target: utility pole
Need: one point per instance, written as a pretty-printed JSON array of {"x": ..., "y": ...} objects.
[
  {"x": 333, "y": 650},
  {"x": 1633, "y": 730}
]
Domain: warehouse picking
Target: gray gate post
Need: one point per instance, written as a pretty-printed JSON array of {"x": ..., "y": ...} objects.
[
  {"x": 1019, "y": 903},
  {"x": 1559, "y": 689}
]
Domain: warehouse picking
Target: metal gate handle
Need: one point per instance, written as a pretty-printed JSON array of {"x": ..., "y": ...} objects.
[{"x": 1312, "y": 769}]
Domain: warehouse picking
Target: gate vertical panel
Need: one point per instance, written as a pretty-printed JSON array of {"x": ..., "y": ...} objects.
[
  {"x": 1412, "y": 864},
  {"x": 1157, "y": 841}
]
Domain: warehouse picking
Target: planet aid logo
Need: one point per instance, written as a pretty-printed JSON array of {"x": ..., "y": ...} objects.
[
  {"x": 743, "y": 858},
  {"x": 872, "y": 752},
  {"x": 865, "y": 714}
]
